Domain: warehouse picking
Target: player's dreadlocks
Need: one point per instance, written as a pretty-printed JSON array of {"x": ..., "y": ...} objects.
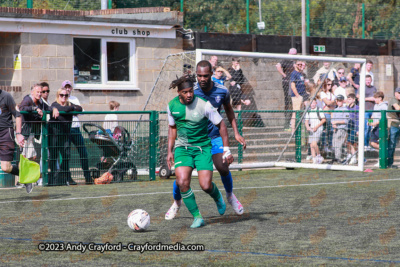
[{"x": 186, "y": 81}]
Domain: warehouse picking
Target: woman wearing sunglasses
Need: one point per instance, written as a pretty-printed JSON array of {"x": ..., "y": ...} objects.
[{"x": 59, "y": 131}]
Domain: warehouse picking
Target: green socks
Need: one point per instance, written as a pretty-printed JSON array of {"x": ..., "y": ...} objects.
[
  {"x": 215, "y": 193},
  {"x": 190, "y": 201}
]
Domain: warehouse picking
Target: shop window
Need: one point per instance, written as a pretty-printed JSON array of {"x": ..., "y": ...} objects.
[{"x": 102, "y": 63}]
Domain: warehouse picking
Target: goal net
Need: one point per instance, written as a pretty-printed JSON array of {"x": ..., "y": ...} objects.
[{"x": 288, "y": 107}]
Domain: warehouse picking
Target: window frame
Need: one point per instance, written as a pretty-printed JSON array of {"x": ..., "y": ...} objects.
[{"x": 130, "y": 85}]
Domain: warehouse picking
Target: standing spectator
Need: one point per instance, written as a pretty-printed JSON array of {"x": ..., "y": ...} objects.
[
  {"x": 369, "y": 105},
  {"x": 368, "y": 70},
  {"x": 221, "y": 75},
  {"x": 237, "y": 80},
  {"x": 340, "y": 74},
  {"x": 332, "y": 75},
  {"x": 339, "y": 125},
  {"x": 285, "y": 68},
  {"x": 7, "y": 137},
  {"x": 31, "y": 122},
  {"x": 354, "y": 77},
  {"x": 298, "y": 90},
  {"x": 394, "y": 123},
  {"x": 59, "y": 142},
  {"x": 214, "y": 62},
  {"x": 314, "y": 122},
  {"x": 376, "y": 116},
  {"x": 341, "y": 90},
  {"x": 328, "y": 103},
  {"x": 111, "y": 120},
  {"x": 45, "y": 92},
  {"x": 352, "y": 132},
  {"x": 76, "y": 136}
]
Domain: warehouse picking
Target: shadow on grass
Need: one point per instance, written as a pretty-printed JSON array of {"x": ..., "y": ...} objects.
[{"x": 233, "y": 219}]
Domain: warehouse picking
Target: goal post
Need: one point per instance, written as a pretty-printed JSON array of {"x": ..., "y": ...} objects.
[{"x": 262, "y": 108}]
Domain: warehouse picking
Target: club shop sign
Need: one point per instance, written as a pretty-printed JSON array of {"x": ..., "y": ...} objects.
[{"x": 87, "y": 28}]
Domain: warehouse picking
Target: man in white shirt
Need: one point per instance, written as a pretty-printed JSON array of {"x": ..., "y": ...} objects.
[
  {"x": 76, "y": 136},
  {"x": 341, "y": 90},
  {"x": 368, "y": 70}
]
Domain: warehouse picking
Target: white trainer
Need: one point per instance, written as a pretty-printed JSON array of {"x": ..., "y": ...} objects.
[
  {"x": 236, "y": 205},
  {"x": 171, "y": 213},
  {"x": 309, "y": 157}
]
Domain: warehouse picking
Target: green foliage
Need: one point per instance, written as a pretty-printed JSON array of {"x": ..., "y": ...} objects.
[{"x": 339, "y": 18}]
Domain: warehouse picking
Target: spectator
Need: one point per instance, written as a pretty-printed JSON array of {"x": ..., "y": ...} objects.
[
  {"x": 352, "y": 131},
  {"x": 341, "y": 90},
  {"x": 369, "y": 105},
  {"x": 340, "y": 74},
  {"x": 354, "y": 77},
  {"x": 59, "y": 143},
  {"x": 368, "y": 70},
  {"x": 376, "y": 116},
  {"x": 76, "y": 136},
  {"x": 111, "y": 120},
  {"x": 45, "y": 92},
  {"x": 298, "y": 90},
  {"x": 394, "y": 123},
  {"x": 235, "y": 88},
  {"x": 221, "y": 75},
  {"x": 339, "y": 125},
  {"x": 314, "y": 122},
  {"x": 332, "y": 75},
  {"x": 328, "y": 102},
  {"x": 285, "y": 68},
  {"x": 214, "y": 62},
  {"x": 31, "y": 126}
]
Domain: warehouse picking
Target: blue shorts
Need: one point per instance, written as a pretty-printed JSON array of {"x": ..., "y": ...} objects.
[{"x": 217, "y": 146}]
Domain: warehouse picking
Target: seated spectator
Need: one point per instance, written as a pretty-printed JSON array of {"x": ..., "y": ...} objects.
[
  {"x": 59, "y": 132},
  {"x": 221, "y": 75},
  {"x": 314, "y": 122},
  {"x": 339, "y": 124},
  {"x": 376, "y": 117},
  {"x": 111, "y": 120},
  {"x": 352, "y": 131}
]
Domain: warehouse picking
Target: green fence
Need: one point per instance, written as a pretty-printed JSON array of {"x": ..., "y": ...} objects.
[
  {"x": 135, "y": 154},
  {"x": 79, "y": 155},
  {"x": 325, "y": 18}
]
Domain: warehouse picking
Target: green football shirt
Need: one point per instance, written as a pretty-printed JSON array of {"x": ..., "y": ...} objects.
[{"x": 191, "y": 120}]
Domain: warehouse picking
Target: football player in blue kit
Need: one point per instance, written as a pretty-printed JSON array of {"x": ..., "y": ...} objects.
[{"x": 218, "y": 95}]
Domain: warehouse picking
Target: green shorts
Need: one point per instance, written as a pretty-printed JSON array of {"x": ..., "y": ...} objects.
[{"x": 194, "y": 157}]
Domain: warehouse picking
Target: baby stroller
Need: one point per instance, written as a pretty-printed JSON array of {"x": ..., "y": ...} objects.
[{"x": 117, "y": 152}]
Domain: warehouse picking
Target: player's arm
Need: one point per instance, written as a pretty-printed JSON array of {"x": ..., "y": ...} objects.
[
  {"x": 212, "y": 114},
  {"x": 231, "y": 117},
  {"x": 171, "y": 143},
  {"x": 172, "y": 134}
]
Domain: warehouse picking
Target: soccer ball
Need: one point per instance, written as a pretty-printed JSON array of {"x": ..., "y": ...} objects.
[{"x": 138, "y": 220}]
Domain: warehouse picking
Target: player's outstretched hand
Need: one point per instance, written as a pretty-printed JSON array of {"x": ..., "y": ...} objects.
[
  {"x": 170, "y": 160},
  {"x": 241, "y": 140}
]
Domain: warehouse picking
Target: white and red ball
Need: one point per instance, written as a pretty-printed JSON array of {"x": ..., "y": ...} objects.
[{"x": 138, "y": 220}]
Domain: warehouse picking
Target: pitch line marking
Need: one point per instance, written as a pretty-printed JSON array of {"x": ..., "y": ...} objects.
[{"x": 197, "y": 190}]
